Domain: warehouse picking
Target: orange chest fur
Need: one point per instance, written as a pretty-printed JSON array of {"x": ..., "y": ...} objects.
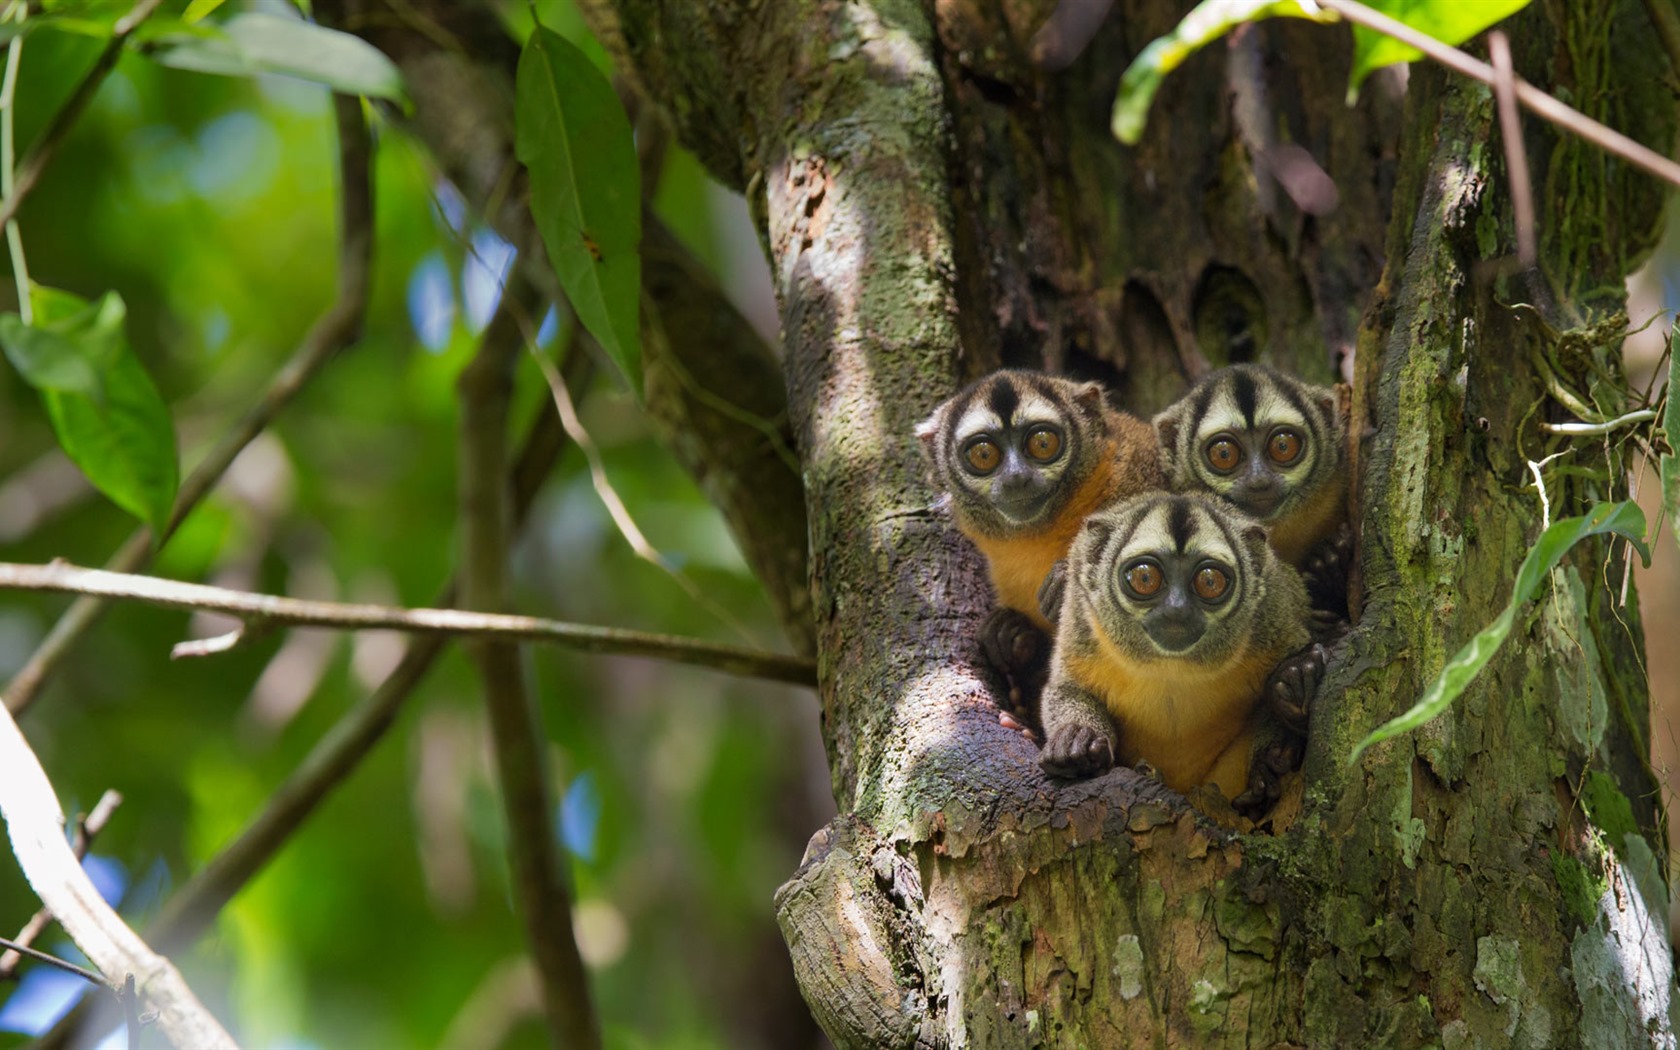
[{"x": 1179, "y": 716}]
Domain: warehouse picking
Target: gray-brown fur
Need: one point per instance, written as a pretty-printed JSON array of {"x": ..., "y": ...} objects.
[
  {"x": 1118, "y": 692},
  {"x": 1302, "y": 502}
]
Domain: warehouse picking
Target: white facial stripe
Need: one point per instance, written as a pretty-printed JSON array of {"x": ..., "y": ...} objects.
[
  {"x": 1152, "y": 534},
  {"x": 976, "y": 419},
  {"x": 1222, "y": 414},
  {"x": 1271, "y": 409},
  {"x": 1037, "y": 409},
  {"x": 1209, "y": 538}
]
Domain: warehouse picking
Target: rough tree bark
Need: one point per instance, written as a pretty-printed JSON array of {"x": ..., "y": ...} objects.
[{"x": 934, "y": 204}]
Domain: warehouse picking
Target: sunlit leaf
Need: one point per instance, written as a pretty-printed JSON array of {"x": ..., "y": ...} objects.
[
  {"x": 1624, "y": 519},
  {"x": 107, "y": 414},
  {"x": 575, "y": 141},
  {"x": 1208, "y": 21},
  {"x": 252, "y": 43},
  {"x": 1450, "y": 23},
  {"x": 199, "y": 8}
]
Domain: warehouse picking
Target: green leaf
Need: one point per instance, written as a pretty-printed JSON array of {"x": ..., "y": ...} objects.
[
  {"x": 574, "y": 139},
  {"x": 109, "y": 418},
  {"x": 1624, "y": 519},
  {"x": 199, "y": 8},
  {"x": 1451, "y": 22},
  {"x": 1668, "y": 467},
  {"x": 1208, "y": 21},
  {"x": 252, "y": 43}
]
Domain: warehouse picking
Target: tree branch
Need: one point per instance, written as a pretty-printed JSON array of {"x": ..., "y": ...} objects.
[
  {"x": 1605, "y": 138},
  {"x": 714, "y": 389},
  {"x": 337, "y": 329},
  {"x": 267, "y": 610},
  {"x": 46, "y": 147},
  {"x": 35, "y": 822},
  {"x": 338, "y": 754},
  {"x": 516, "y": 730},
  {"x": 87, "y": 828}
]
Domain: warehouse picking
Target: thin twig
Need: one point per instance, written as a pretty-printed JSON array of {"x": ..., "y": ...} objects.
[
  {"x": 268, "y": 609},
  {"x": 1636, "y": 416},
  {"x": 615, "y": 506},
  {"x": 192, "y": 908},
  {"x": 87, "y": 828},
  {"x": 337, "y": 329},
  {"x": 541, "y": 888},
  {"x": 45, "y": 148},
  {"x": 1605, "y": 138},
  {"x": 35, "y": 822},
  {"x": 8, "y": 117},
  {"x": 1516, "y": 155},
  {"x": 14, "y": 948}
]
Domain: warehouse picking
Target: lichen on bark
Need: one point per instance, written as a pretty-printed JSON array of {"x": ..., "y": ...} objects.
[{"x": 934, "y": 205}]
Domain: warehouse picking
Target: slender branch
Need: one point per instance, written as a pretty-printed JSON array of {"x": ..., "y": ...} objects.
[
  {"x": 14, "y": 948},
  {"x": 542, "y": 893},
  {"x": 1636, "y": 416},
  {"x": 35, "y": 822},
  {"x": 337, "y": 329},
  {"x": 268, "y": 609},
  {"x": 1605, "y": 138},
  {"x": 87, "y": 828},
  {"x": 46, "y": 147},
  {"x": 192, "y": 908},
  {"x": 1516, "y": 156},
  {"x": 8, "y": 118}
]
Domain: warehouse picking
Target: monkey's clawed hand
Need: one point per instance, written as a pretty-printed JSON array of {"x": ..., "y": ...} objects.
[
  {"x": 1326, "y": 576},
  {"x": 1075, "y": 752},
  {"x": 1019, "y": 652},
  {"x": 1272, "y": 759},
  {"x": 1292, "y": 686}
]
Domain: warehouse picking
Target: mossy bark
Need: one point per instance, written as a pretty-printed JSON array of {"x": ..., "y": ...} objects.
[{"x": 933, "y": 205}]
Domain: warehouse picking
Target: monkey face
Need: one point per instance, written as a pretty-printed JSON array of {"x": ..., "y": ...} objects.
[
  {"x": 1013, "y": 447},
  {"x": 1172, "y": 576},
  {"x": 1256, "y": 437}
]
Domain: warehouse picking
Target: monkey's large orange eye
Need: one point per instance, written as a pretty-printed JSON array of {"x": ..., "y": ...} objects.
[
  {"x": 1043, "y": 444},
  {"x": 1223, "y": 454},
  {"x": 1143, "y": 578},
  {"x": 983, "y": 456},
  {"x": 1211, "y": 583},
  {"x": 1284, "y": 446}
]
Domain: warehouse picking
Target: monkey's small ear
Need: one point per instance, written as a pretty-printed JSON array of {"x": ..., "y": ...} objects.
[
  {"x": 928, "y": 431},
  {"x": 1166, "y": 427},
  {"x": 1331, "y": 405},
  {"x": 1254, "y": 538},
  {"x": 1090, "y": 395}
]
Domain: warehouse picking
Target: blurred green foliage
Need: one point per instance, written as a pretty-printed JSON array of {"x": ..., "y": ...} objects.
[{"x": 209, "y": 205}]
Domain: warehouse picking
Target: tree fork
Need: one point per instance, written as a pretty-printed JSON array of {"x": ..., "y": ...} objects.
[{"x": 1424, "y": 895}]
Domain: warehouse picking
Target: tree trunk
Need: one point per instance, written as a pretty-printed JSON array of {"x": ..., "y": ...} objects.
[{"x": 935, "y": 204}]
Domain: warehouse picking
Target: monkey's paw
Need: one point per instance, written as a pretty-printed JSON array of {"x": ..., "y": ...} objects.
[
  {"x": 1050, "y": 592},
  {"x": 1076, "y": 752},
  {"x": 1326, "y": 571},
  {"x": 1293, "y": 685},
  {"x": 1265, "y": 774},
  {"x": 1013, "y": 644}
]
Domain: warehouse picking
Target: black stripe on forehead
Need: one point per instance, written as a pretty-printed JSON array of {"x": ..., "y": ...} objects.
[
  {"x": 1246, "y": 395},
  {"x": 1179, "y": 525},
  {"x": 1003, "y": 400},
  {"x": 1293, "y": 393}
]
